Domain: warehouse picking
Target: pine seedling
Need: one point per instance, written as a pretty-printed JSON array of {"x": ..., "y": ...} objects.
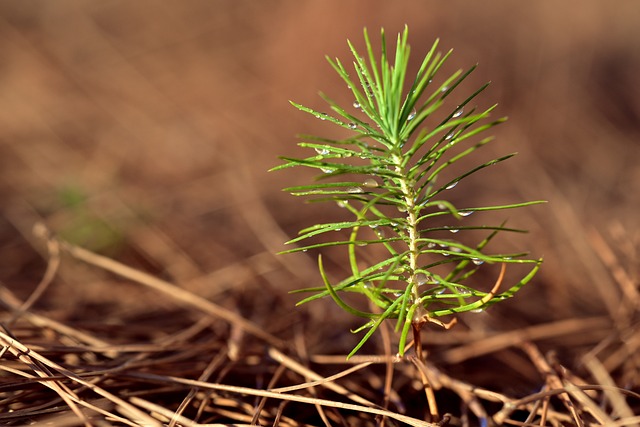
[{"x": 386, "y": 175}]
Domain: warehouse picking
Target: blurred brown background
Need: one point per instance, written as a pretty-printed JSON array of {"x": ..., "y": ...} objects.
[{"x": 144, "y": 130}]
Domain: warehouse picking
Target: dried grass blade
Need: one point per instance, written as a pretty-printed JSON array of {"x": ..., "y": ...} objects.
[
  {"x": 318, "y": 379},
  {"x": 290, "y": 397},
  {"x": 617, "y": 400},
  {"x": 486, "y": 345},
  {"x": 9, "y": 300},
  {"x": 27, "y": 355},
  {"x": 178, "y": 294},
  {"x": 53, "y": 249}
]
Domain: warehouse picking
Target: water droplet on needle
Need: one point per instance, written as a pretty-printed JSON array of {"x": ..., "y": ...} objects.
[
  {"x": 421, "y": 279},
  {"x": 370, "y": 183}
]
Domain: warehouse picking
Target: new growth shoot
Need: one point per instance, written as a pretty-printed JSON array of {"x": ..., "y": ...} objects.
[{"x": 402, "y": 139}]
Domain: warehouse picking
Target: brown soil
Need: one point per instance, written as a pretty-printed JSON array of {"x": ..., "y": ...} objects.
[{"x": 143, "y": 132}]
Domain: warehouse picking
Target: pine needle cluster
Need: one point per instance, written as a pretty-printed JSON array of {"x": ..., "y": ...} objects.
[{"x": 386, "y": 175}]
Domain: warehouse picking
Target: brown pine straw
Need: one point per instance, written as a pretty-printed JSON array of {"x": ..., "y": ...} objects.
[
  {"x": 612, "y": 393},
  {"x": 290, "y": 397},
  {"x": 177, "y": 294},
  {"x": 53, "y": 249},
  {"x": 44, "y": 368},
  {"x": 129, "y": 389}
]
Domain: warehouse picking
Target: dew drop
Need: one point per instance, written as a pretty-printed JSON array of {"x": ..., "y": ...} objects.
[
  {"x": 323, "y": 116},
  {"x": 322, "y": 151},
  {"x": 449, "y": 135},
  {"x": 356, "y": 105},
  {"x": 465, "y": 213},
  {"x": 431, "y": 245},
  {"x": 421, "y": 279},
  {"x": 343, "y": 203},
  {"x": 326, "y": 170},
  {"x": 442, "y": 206},
  {"x": 444, "y": 88},
  {"x": 450, "y": 186},
  {"x": 398, "y": 294},
  {"x": 477, "y": 261},
  {"x": 337, "y": 229},
  {"x": 477, "y": 310},
  {"x": 458, "y": 112},
  {"x": 412, "y": 115},
  {"x": 355, "y": 190},
  {"x": 352, "y": 125},
  {"x": 370, "y": 183},
  {"x": 456, "y": 249},
  {"x": 453, "y": 230},
  {"x": 462, "y": 290},
  {"x": 368, "y": 285},
  {"x": 367, "y": 87}
]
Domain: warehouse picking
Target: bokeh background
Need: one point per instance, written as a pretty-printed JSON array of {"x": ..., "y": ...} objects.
[{"x": 144, "y": 131}]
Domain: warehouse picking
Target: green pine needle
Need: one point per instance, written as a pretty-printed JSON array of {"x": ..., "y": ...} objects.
[{"x": 401, "y": 137}]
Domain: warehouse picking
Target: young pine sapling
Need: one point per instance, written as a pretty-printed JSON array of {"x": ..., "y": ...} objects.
[{"x": 386, "y": 176}]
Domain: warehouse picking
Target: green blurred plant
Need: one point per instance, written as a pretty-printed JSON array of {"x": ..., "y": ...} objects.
[
  {"x": 84, "y": 227},
  {"x": 388, "y": 174}
]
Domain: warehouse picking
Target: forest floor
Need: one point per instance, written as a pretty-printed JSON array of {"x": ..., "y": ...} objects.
[{"x": 139, "y": 228}]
